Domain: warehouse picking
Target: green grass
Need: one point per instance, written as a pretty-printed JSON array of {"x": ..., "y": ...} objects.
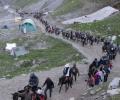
[
  {"x": 105, "y": 27},
  {"x": 58, "y": 54},
  {"x": 23, "y": 3},
  {"x": 115, "y": 97},
  {"x": 68, "y": 6}
]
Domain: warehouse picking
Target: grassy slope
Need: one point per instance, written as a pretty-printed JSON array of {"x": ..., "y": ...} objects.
[
  {"x": 105, "y": 27},
  {"x": 57, "y": 55},
  {"x": 68, "y": 6},
  {"x": 23, "y": 3}
]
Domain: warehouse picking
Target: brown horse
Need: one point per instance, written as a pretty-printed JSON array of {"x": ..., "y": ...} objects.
[
  {"x": 21, "y": 93},
  {"x": 67, "y": 81},
  {"x": 27, "y": 94}
]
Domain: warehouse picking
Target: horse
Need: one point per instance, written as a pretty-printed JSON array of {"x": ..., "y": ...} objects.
[
  {"x": 67, "y": 81},
  {"x": 20, "y": 94},
  {"x": 27, "y": 94},
  {"x": 74, "y": 72}
]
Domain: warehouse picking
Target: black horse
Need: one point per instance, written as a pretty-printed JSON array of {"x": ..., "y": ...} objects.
[{"x": 67, "y": 81}]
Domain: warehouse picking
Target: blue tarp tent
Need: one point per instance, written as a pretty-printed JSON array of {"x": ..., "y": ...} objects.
[{"x": 28, "y": 26}]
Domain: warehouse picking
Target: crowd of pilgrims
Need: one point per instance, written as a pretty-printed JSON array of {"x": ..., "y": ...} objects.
[{"x": 99, "y": 69}]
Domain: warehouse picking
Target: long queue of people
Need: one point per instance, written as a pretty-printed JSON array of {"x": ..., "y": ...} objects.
[{"x": 85, "y": 37}]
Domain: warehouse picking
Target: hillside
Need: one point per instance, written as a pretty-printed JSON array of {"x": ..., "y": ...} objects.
[
  {"x": 47, "y": 53},
  {"x": 23, "y": 3},
  {"x": 73, "y": 8}
]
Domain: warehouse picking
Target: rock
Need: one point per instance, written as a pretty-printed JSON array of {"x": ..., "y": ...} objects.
[
  {"x": 96, "y": 97},
  {"x": 92, "y": 92},
  {"x": 97, "y": 90},
  {"x": 16, "y": 59},
  {"x": 104, "y": 93},
  {"x": 82, "y": 98},
  {"x": 104, "y": 97},
  {"x": 23, "y": 75},
  {"x": 72, "y": 98},
  {"x": 84, "y": 94},
  {"x": 85, "y": 61}
]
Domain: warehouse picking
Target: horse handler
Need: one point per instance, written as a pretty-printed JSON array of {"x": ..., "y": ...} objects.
[{"x": 49, "y": 86}]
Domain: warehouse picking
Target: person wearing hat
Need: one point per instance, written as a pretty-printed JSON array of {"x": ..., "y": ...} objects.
[{"x": 66, "y": 70}]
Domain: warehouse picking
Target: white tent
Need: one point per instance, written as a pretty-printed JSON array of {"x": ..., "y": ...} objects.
[
  {"x": 10, "y": 46},
  {"x": 98, "y": 15}
]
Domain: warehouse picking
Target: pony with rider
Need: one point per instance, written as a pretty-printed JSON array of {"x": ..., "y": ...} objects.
[
  {"x": 32, "y": 91},
  {"x": 68, "y": 74}
]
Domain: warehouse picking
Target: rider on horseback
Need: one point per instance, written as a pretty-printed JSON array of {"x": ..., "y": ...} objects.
[
  {"x": 66, "y": 70},
  {"x": 33, "y": 82}
]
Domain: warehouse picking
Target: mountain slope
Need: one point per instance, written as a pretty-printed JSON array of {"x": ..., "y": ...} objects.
[{"x": 79, "y": 7}]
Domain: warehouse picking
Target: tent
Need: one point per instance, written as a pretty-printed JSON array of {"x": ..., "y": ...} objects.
[
  {"x": 28, "y": 26},
  {"x": 19, "y": 51},
  {"x": 10, "y": 46},
  {"x": 14, "y": 50}
]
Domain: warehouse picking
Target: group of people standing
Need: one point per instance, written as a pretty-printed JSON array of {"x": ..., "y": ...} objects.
[{"x": 99, "y": 71}]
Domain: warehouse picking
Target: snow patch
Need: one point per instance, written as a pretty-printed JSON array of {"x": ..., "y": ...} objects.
[
  {"x": 72, "y": 98},
  {"x": 115, "y": 83},
  {"x": 6, "y": 7},
  {"x": 98, "y": 15},
  {"x": 114, "y": 87},
  {"x": 113, "y": 92}
]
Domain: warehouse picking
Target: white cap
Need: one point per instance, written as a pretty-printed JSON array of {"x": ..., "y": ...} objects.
[
  {"x": 67, "y": 65},
  {"x": 39, "y": 91}
]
